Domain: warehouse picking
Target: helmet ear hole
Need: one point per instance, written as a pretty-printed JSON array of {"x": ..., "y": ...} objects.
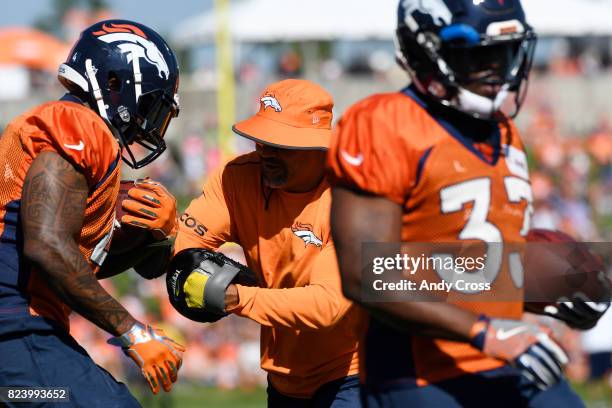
[
  {"x": 73, "y": 89},
  {"x": 69, "y": 85},
  {"x": 114, "y": 83}
]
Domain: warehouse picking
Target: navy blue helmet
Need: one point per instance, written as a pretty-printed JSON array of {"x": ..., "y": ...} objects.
[
  {"x": 452, "y": 47},
  {"x": 127, "y": 73}
]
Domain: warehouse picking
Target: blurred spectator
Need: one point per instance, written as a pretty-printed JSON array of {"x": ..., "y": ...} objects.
[
  {"x": 249, "y": 72},
  {"x": 290, "y": 65},
  {"x": 194, "y": 161},
  {"x": 331, "y": 70}
]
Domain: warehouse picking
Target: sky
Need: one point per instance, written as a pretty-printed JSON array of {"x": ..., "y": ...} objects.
[{"x": 162, "y": 15}]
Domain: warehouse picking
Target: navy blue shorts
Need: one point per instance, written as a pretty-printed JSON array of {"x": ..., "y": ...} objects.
[
  {"x": 500, "y": 388},
  {"x": 341, "y": 393},
  {"x": 54, "y": 359}
]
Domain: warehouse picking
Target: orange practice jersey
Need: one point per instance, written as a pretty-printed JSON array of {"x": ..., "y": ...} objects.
[
  {"x": 83, "y": 139},
  {"x": 308, "y": 334},
  {"x": 394, "y": 146}
]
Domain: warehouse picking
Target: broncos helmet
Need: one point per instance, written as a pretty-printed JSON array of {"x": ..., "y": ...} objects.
[
  {"x": 449, "y": 47},
  {"x": 127, "y": 73}
]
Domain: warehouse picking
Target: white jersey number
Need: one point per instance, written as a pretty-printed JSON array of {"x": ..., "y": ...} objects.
[{"x": 478, "y": 192}]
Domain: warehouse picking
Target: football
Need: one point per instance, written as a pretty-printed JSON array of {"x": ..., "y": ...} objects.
[
  {"x": 557, "y": 266},
  {"x": 124, "y": 187},
  {"x": 132, "y": 246}
]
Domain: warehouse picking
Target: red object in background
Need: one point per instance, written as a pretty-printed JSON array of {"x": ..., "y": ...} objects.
[
  {"x": 557, "y": 266},
  {"x": 124, "y": 187},
  {"x": 32, "y": 49}
]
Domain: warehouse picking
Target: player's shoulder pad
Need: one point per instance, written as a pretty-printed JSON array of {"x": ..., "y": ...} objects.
[
  {"x": 73, "y": 110},
  {"x": 76, "y": 121},
  {"x": 380, "y": 103},
  {"x": 383, "y": 115}
]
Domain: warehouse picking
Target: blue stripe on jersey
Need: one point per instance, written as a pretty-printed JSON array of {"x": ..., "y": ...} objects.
[
  {"x": 108, "y": 173},
  {"x": 13, "y": 276},
  {"x": 415, "y": 96},
  {"x": 421, "y": 164},
  {"x": 71, "y": 98}
]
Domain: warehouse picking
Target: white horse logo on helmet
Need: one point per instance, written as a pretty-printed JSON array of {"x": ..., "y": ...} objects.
[
  {"x": 437, "y": 9},
  {"x": 137, "y": 47}
]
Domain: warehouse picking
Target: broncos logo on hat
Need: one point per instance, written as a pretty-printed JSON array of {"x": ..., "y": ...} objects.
[
  {"x": 135, "y": 44},
  {"x": 269, "y": 100}
]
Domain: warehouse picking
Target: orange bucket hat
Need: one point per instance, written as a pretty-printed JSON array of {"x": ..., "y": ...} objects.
[{"x": 293, "y": 114}]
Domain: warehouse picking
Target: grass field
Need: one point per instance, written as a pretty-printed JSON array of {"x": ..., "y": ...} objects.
[
  {"x": 185, "y": 396},
  {"x": 595, "y": 396}
]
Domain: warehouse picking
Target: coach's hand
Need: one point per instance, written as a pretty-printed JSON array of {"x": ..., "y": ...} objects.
[
  {"x": 159, "y": 357},
  {"x": 528, "y": 347},
  {"x": 151, "y": 206}
]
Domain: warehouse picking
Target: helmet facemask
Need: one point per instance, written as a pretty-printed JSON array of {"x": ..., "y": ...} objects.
[
  {"x": 145, "y": 127},
  {"x": 466, "y": 71}
]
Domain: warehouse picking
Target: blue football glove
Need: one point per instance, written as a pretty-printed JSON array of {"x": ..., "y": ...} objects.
[{"x": 578, "y": 313}]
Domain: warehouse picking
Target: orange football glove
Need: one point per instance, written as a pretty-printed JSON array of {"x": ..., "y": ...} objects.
[
  {"x": 159, "y": 357},
  {"x": 151, "y": 207}
]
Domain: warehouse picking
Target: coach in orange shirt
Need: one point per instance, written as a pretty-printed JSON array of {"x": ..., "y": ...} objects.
[{"x": 275, "y": 203}]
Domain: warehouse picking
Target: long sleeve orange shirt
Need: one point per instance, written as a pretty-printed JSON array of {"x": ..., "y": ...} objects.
[{"x": 309, "y": 330}]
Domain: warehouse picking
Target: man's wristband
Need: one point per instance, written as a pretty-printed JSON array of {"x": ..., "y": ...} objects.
[
  {"x": 478, "y": 332},
  {"x": 136, "y": 334}
]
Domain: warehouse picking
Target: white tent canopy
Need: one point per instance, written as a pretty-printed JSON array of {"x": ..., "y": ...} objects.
[
  {"x": 569, "y": 17},
  {"x": 255, "y": 21},
  {"x": 294, "y": 20}
]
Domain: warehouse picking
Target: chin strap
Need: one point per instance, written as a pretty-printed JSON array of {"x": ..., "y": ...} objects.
[
  {"x": 91, "y": 74},
  {"x": 137, "y": 78}
]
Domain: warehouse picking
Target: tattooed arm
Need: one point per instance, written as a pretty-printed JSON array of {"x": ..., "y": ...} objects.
[{"x": 52, "y": 207}]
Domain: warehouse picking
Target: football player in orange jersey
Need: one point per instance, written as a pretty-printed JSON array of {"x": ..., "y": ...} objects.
[
  {"x": 275, "y": 203},
  {"x": 61, "y": 162},
  {"x": 441, "y": 161}
]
